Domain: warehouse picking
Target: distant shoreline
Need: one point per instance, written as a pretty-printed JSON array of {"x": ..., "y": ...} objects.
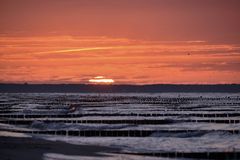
[{"x": 87, "y": 88}]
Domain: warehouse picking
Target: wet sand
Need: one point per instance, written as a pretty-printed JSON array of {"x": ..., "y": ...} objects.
[{"x": 14, "y": 148}]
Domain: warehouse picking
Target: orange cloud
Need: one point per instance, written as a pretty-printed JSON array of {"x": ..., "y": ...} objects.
[{"x": 66, "y": 59}]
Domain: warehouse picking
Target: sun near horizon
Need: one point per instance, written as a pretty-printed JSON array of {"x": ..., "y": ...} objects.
[
  {"x": 101, "y": 80},
  {"x": 128, "y": 41}
]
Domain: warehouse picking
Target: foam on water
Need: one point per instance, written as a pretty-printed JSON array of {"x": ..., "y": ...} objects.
[
  {"x": 54, "y": 156},
  {"x": 180, "y": 109},
  {"x": 211, "y": 142}
]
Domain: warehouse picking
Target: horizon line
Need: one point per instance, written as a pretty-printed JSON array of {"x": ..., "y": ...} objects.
[{"x": 127, "y": 84}]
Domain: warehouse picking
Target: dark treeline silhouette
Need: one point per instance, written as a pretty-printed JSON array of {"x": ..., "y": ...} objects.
[{"x": 85, "y": 88}]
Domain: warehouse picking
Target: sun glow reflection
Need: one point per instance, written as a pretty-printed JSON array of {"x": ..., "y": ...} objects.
[{"x": 101, "y": 80}]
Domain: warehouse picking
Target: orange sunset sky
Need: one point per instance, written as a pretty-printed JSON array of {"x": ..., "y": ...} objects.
[{"x": 128, "y": 41}]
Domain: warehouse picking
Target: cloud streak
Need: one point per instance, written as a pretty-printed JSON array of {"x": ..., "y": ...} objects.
[{"x": 39, "y": 59}]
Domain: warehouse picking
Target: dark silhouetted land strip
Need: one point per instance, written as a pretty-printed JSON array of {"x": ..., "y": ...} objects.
[
  {"x": 12, "y": 148},
  {"x": 85, "y": 88}
]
